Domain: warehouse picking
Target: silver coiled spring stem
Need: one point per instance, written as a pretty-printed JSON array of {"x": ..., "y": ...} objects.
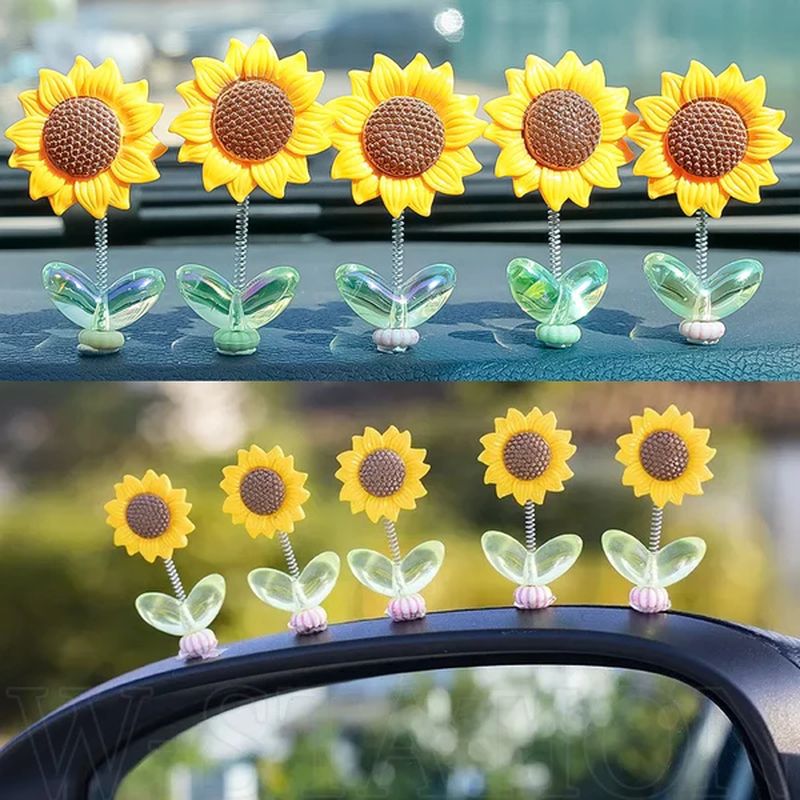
[
  {"x": 288, "y": 554},
  {"x": 398, "y": 246},
  {"x": 101, "y": 253},
  {"x": 530, "y": 525},
  {"x": 554, "y": 241},
  {"x": 394, "y": 544},
  {"x": 656, "y": 522},
  {"x": 175, "y": 579},
  {"x": 701, "y": 244},
  {"x": 240, "y": 244}
]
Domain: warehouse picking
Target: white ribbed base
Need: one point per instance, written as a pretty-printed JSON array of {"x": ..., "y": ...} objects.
[
  {"x": 394, "y": 340},
  {"x": 309, "y": 620},
  {"x": 404, "y": 609},
  {"x": 199, "y": 645},
  {"x": 530, "y": 598},
  {"x": 650, "y": 599},
  {"x": 697, "y": 331}
]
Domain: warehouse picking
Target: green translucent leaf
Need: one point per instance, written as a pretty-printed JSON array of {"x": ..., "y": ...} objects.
[
  {"x": 378, "y": 573},
  {"x": 167, "y": 614},
  {"x": 557, "y": 301},
  {"x": 308, "y": 590},
  {"x": 376, "y": 302},
  {"x": 76, "y": 296},
  {"x": 214, "y": 299},
  {"x": 546, "y": 563},
  {"x": 680, "y": 289},
  {"x": 643, "y": 567}
]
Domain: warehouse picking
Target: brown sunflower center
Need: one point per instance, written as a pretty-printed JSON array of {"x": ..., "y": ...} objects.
[
  {"x": 561, "y": 129},
  {"x": 82, "y": 137},
  {"x": 382, "y": 473},
  {"x": 526, "y": 455},
  {"x": 253, "y": 120},
  {"x": 707, "y": 138},
  {"x": 147, "y": 515},
  {"x": 403, "y": 137},
  {"x": 664, "y": 455},
  {"x": 262, "y": 491}
]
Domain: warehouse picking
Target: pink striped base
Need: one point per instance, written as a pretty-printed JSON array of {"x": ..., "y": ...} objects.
[
  {"x": 650, "y": 599},
  {"x": 530, "y": 598},
  {"x": 404, "y": 609},
  {"x": 309, "y": 620},
  {"x": 199, "y": 645}
]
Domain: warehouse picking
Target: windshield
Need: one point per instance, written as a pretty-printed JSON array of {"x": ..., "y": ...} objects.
[
  {"x": 538, "y": 732},
  {"x": 156, "y": 39}
]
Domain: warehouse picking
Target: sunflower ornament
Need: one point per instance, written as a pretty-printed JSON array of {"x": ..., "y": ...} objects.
[
  {"x": 402, "y": 135},
  {"x": 526, "y": 457},
  {"x": 706, "y": 138},
  {"x": 85, "y": 139},
  {"x": 666, "y": 458},
  {"x": 252, "y": 121},
  {"x": 150, "y": 518},
  {"x": 381, "y": 476},
  {"x": 265, "y": 493},
  {"x": 561, "y": 131}
]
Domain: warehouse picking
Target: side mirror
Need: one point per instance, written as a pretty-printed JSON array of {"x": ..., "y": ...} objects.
[{"x": 85, "y": 750}]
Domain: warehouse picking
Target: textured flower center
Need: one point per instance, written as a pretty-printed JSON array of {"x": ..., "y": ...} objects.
[
  {"x": 262, "y": 491},
  {"x": 561, "y": 129},
  {"x": 664, "y": 455},
  {"x": 382, "y": 473},
  {"x": 526, "y": 455},
  {"x": 707, "y": 138},
  {"x": 253, "y": 120},
  {"x": 82, "y": 137},
  {"x": 403, "y": 137},
  {"x": 147, "y": 516}
]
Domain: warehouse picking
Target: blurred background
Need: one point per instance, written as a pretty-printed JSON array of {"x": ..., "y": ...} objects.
[
  {"x": 66, "y": 592},
  {"x": 156, "y": 39}
]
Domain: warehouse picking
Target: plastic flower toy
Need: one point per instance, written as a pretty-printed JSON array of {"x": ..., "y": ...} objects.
[
  {"x": 381, "y": 476},
  {"x": 86, "y": 137},
  {"x": 665, "y": 458},
  {"x": 706, "y": 139},
  {"x": 403, "y": 135},
  {"x": 265, "y": 493},
  {"x": 561, "y": 131},
  {"x": 150, "y": 518},
  {"x": 526, "y": 457},
  {"x": 252, "y": 121}
]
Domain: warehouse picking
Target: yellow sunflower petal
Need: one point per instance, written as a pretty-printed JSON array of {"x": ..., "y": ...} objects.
[
  {"x": 261, "y": 60},
  {"x": 27, "y": 133},
  {"x": 699, "y": 83},
  {"x": 44, "y": 182},
  {"x": 742, "y": 183},
  {"x": 212, "y": 75},
  {"x": 445, "y": 175},
  {"x": 657, "y": 111},
  {"x": 133, "y": 166},
  {"x": 54, "y": 88},
  {"x": 366, "y": 189},
  {"x": 351, "y": 163},
  {"x": 349, "y": 113},
  {"x": 540, "y": 76},
  {"x": 234, "y": 57},
  {"x": 219, "y": 169},
  {"x": 103, "y": 82},
  {"x": 386, "y": 78},
  {"x": 94, "y": 194},
  {"x": 78, "y": 73},
  {"x": 271, "y": 176},
  {"x": 194, "y": 124},
  {"x": 507, "y": 111}
]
